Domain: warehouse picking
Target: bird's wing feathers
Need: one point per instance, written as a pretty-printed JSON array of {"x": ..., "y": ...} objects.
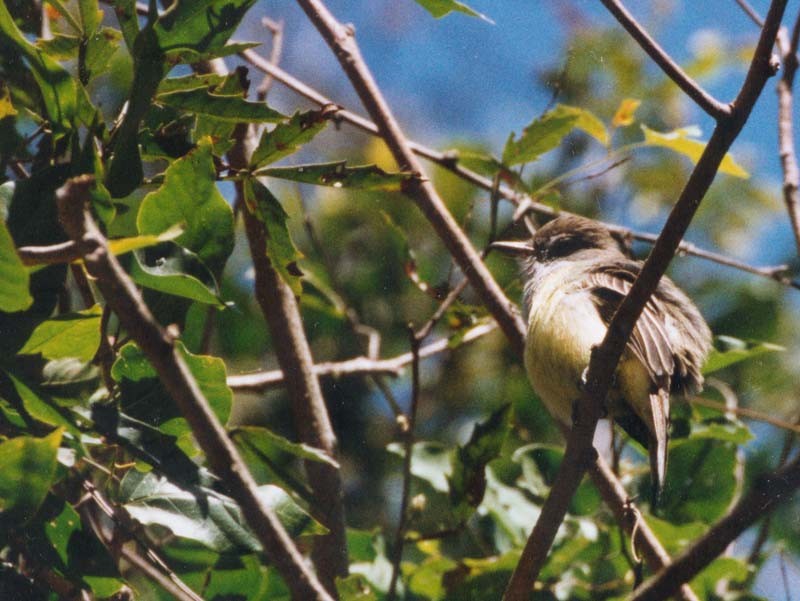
[{"x": 650, "y": 340}]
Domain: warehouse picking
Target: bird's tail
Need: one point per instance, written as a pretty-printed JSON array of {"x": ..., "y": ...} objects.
[{"x": 659, "y": 438}]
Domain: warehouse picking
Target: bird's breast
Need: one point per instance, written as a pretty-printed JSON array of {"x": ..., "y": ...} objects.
[{"x": 563, "y": 326}]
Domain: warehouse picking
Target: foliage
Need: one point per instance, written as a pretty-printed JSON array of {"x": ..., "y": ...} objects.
[{"x": 82, "y": 408}]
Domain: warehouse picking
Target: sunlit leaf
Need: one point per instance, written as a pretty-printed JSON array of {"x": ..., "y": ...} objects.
[
  {"x": 196, "y": 81},
  {"x": 37, "y": 405},
  {"x": 174, "y": 270},
  {"x": 542, "y": 135},
  {"x": 120, "y": 246},
  {"x": 430, "y": 461},
  {"x": 14, "y": 279},
  {"x": 586, "y": 121},
  {"x": 355, "y": 588},
  {"x": 206, "y": 516},
  {"x": 339, "y": 175},
  {"x": 29, "y": 466},
  {"x": 268, "y": 442},
  {"x": 679, "y": 140},
  {"x": 282, "y": 253},
  {"x": 626, "y": 112},
  {"x": 68, "y": 335},
  {"x": 6, "y": 107},
  {"x": 720, "y": 571},
  {"x": 441, "y": 8},
  {"x": 233, "y": 108},
  {"x": 189, "y": 196},
  {"x": 729, "y": 351},
  {"x": 675, "y": 537}
]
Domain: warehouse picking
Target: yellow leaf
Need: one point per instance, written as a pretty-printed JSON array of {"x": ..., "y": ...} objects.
[
  {"x": 120, "y": 246},
  {"x": 625, "y": 112},
  {"x": 586, "y": 121},
  {"x": 678, "y": 141},
  {"x": 6, "y": 108}
]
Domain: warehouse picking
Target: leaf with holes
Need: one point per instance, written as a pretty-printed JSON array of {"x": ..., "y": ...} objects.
[{"x": 287, "y": 137}]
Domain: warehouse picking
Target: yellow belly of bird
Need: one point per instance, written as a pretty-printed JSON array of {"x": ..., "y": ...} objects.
[{"x": 562, "y": 330}]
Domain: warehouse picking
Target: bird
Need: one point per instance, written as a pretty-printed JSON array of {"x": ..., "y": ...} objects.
[{"x": 575, "y": 275}]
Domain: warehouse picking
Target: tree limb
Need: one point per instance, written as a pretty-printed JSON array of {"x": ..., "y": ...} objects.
[
  {"x": 604, "y": 359},
  {"x": 786, "y": 144},
  {"x": 158, "y": 345}
]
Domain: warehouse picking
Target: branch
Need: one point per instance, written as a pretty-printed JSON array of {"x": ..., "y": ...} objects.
[
  {"x": 768, "y": 491},
  {"x": 786, "y": 146},
  {"x": 311, "y": 420},
  {"x": 159, "y": 346},
  {"x": 691, "y": 88},
  {"x": 605, "y": 358},
  {"x": 353, "y": 367},
  {"x": 341, "y": 39},
  {"x": 449, "y": 160},
  {"x": 63, "y": 252}
]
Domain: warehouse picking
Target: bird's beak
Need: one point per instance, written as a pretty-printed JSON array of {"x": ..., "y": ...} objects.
[{"x": 512, "y": 247}]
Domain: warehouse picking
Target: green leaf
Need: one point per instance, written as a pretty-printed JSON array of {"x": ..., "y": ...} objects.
[
  {"x": 542, "y": 135},
  {"x": 209, "y": 373},
  {"x": 339, "y": 175},
  {"x": 38, "y": 405},
  {"x": 355, "y": 588},
  {"x": 287, "y": 137},
  {"x": 200, "y": 27},
  {"x": 729, "y": 351},
  {"x": 675, "y": 537},
  {"x": 189, "y": 82},
  {"x": 57, "y": 87},
  {"x": 189, "y": 196},
  {"x": 700, "y": 482},
  {"x": 721, "y": 428},
  {"x": 267, "y": 442},
  {"x": 540, "y": 464},
  {"x": 100, "y": 47},
  {"x": 68, "y": 335},
  {"x": 14, "y": 279},
  {"x": 172, "y": 269},
  {"x": 205, "y": 516},
  {"x": 679, "y": 140},
  {"x": 281, "y": 251},
  {"x": 721, "y": 570},
  {"x": 467, "y": 482},
  {"x": 441, "y": 8},
  {"x": 91, "y": 15},
  {"x": 120, "y": 246},
  {"x": 234, "y": 107},
  {"x": 29, "y": 467}
]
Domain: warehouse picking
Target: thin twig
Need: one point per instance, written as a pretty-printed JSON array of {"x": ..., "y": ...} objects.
[
  {"x": 767, "y": 493},
  {"x": 693, "y": 90},
  {"x": 791, "y": 429},
  {"x": 786, "y": 142},
  {"x": 408, "y": 439},
  {"x": 449, "y": 160},
  {"x": 158, "y": 345},
  {"x": 276, "y": 29},
  {"x": 750, "y": 12},
  {"x": 580, "y": 452},
  {"x": 358, "y": 366}
]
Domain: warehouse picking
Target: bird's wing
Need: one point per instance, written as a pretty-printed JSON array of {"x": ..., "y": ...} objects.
[{"x": 650, "y": 340}]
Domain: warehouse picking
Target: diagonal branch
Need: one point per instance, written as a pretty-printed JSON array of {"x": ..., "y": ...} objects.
[
  {"x": 580, "y": 453},
  {"x": 449, "y": 160},
  {"x": 767, "y": 493},
  {"x": 341, "y": 39},
  {"x": 691, "y": 88},
  {"x": 786, "y": 143},
  {"x": 158, "y": 346}
]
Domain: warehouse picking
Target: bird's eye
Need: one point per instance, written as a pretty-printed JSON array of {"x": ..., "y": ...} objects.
[{"x": 563, "y": 246}]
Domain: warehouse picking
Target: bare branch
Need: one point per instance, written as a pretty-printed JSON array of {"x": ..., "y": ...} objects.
[
  {"x": 63, "y": 252},
  {"x": 354, "y": 367},
  {"x": 750, "y": 12},
  {"x": 693, "y": 90},
  {"x": 580, "y": 453},
  {"x": 767, "y": 493},
  {"x": 158, "y": 346},
  {"x": 786, "y": 142},
  {"x": 449, "y": 161},
  {"x": 311, "y": 420},
  {"x": 276, "y": 28}
]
